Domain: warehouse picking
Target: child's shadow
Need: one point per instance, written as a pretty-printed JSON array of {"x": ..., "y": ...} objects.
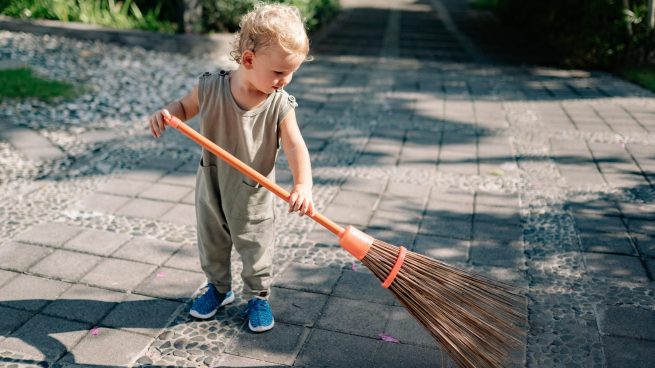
[{"x": 67, "y": 324}]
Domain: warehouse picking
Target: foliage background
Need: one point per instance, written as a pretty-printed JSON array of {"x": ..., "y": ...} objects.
[
  {"x": 225, "y": 15},
  {"x": 158, "y": 15},
  {"x": 587, "y": 33},
  {"x": 130, "y": 14},
  {"x": 607, "y": 34}
]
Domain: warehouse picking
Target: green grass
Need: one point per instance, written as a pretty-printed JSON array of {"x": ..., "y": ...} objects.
[
  {"x": 643, "y": 76},
  {"x": 22, "y": 83}
]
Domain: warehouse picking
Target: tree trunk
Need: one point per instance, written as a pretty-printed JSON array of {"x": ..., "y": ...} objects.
[
  {"x": 189, "y": 16},
  {"x": 179, "y": 15},
  {"x": 626, "y": 7}
]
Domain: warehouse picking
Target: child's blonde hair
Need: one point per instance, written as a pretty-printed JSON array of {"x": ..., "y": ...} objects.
[{"x": 268, "y": 25}]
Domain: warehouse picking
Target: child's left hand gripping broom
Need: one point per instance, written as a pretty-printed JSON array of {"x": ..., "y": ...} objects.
[{"x": 478, "y": 321}]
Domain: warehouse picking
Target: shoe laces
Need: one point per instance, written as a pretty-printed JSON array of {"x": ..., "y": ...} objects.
[
  {"x": 255, "y": 305},
  {"x": 209, "y": 297}
]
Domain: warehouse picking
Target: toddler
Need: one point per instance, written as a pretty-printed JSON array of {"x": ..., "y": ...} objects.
[{"x": 246, "y": 112}]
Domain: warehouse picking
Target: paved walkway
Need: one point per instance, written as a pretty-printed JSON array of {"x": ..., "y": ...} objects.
[{"x": 418, "y": 134}]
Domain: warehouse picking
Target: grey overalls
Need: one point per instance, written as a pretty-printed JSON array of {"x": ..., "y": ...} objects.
[{"x": 231, "y": 208}]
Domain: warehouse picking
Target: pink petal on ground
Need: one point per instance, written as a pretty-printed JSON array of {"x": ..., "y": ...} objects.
[
  {"x": 388, "y": 338},
  {"x": 161, "y": 274},
  {"x": 354, "y": 267},
  {"x": 95, "y": 331}
]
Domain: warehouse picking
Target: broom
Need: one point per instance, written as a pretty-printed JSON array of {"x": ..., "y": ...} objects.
[{"x": 475, "y": 319}]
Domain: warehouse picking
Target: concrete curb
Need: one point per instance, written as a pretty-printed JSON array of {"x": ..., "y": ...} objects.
[{"x": 190, "y": 44}]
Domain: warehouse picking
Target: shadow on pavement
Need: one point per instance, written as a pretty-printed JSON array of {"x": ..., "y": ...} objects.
[{"x": 69, "y": 326}]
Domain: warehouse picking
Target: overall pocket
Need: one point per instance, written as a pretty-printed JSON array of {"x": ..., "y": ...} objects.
[
  {"x": 252, "y": 202},
  {"x": 207, "y": 186}
]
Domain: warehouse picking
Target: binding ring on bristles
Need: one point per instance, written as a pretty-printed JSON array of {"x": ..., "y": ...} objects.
[{"x": 396, "y": 267}]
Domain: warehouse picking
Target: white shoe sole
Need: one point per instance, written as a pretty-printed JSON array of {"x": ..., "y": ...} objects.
[
  {"x": 261, "y": 328},
  {"x": 211, "y": 314}
]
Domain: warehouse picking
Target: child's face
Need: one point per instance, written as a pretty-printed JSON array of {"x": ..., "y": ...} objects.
[{"x": 272, "y": 68}]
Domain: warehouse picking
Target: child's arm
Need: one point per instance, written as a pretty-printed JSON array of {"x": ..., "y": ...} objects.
[
  {"x": 298, "y": 157},
  {"x": 185, "y": 108}
]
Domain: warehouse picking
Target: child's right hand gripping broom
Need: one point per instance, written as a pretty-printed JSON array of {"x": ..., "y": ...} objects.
[{"x": 478, "y": 321}]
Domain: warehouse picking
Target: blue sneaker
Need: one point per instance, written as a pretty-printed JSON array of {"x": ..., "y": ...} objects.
[
  {"x": 260, "y": 317},
  {"x": 206, "y": 305}
]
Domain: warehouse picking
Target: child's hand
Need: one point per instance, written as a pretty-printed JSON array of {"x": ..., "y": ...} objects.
[
  {"x": 301, "y": 200},
  {"x": 157, "y": 122}
]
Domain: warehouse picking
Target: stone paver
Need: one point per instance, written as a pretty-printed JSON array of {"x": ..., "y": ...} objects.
[
  {"x": 141, "y": 314},
  {"x": 404, "y": 327},
  {"x": 102, "y": 203},
  {"x": 170, "y": 283},
  {"x": 297, "y": 307},
  {"x": 19, "y": 257},
  {"x": 108, "y": 347},
  {"x": 279, "y": 346},
  {"x": 149, "y": 175},
  {"x": 118, "y": 274},
  {"x": 402, "y": 355},
  {"x": 31, "y": 292},
  {"x": 623, "y": 352},
  {"x": 140, "y": 249},
  {"x": 145, "y": 208},
  {"x": 446, "y": 227},
  {"x": 30, "y": 143},
  {"x": 54, "y": 235},
  {"x": 616, "y": 266},
  {"x": 449, "y": 250},
  {"x": 607, "y": 243},
  {"x": 185, "y": 258},
  {"x": 45, "y": 338},
  {"x": 12, "y": 319},
  {"x": 352, "y": 285},
  {"x": 84, "y": 303},
  {"x": 627, "y": 322},
  {"x": 233, "y": 361},
  {"x": 124, "y": 187},
  {"x": 181, "y": 178},
  {"x": 65, "y": 265},
  {"x": 181, "y": 214},
  {"x": 342, "y": 213},
  {"x": 501, "y": 253},
  {"x": 334, "y": 349},
  {"x": 419, "y": 133},
  {"x": 308, "y": 278},
  {"x": 102, "y": 243},
  {"x": 165, "y": 192},
  {"x": 355, "y": 317},
  {"x": 645, "y": 243}
]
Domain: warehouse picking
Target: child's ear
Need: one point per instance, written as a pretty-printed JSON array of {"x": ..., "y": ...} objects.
[{"x": 247, "y": 58}]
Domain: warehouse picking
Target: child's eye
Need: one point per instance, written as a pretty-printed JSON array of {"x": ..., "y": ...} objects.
[{"x": 279, "y": 73}]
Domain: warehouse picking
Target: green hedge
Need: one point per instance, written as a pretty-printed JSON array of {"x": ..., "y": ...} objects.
[
  {"x": 586, "y": 33},
  {"x": 157, "y": 15},
  {"x": 126, "y": 14},
  {"x": 224, "y": 15}
]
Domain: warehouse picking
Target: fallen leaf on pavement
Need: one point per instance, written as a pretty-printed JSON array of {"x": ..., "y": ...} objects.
[{"x": 388, "y": 338}]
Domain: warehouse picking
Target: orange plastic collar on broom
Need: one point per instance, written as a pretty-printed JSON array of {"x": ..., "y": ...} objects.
[
  {"x": 396, "y": 267},
  {"x": 355, "y": 242}
]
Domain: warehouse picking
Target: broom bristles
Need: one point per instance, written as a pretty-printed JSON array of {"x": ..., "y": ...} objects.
[{"x": 476, "y": 320}]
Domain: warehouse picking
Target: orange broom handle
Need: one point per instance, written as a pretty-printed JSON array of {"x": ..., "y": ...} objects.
[{"x": 247, "y": 170}]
